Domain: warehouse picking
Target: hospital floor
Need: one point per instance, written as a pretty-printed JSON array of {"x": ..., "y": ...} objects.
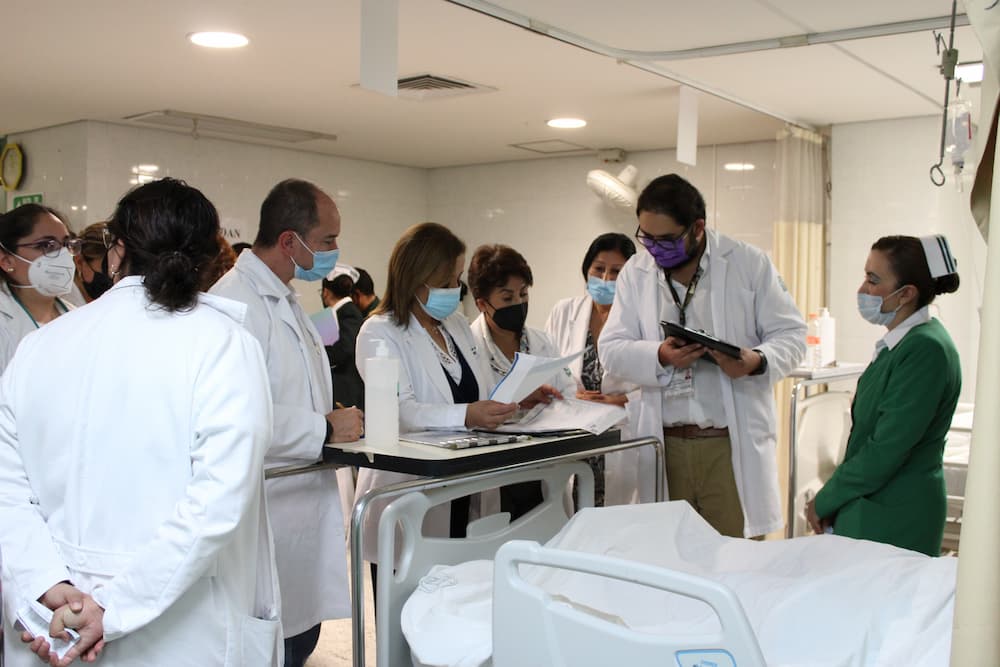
[{"x": 334, "y": 647}]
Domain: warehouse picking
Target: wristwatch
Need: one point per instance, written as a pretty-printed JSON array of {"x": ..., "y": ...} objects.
[{"x": 762, "y": 368}]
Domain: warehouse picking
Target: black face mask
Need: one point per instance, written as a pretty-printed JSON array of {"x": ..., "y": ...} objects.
[
  {"x": 511, "y": 318},
  {"x": 100, "y": 283}
]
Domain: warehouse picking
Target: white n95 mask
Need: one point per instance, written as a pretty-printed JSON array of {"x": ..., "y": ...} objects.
[{"x": 50, "y": 276}]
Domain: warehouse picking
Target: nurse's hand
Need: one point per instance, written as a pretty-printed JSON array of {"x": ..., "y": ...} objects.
[
  {"x": 348, "y": 424},
  {"x": 488, "y": 414},
  {"x": 736, "y": 368},
  {"x": 817, "y": 524},
  {"x": 543, "y": 394},
  {"x": 673, "y": 352}
]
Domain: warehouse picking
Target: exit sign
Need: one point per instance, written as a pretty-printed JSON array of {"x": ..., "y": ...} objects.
[{"x": 27, "y": 199}]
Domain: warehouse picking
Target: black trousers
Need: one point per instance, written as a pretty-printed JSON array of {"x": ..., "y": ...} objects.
[{"x": 301, "y": 646}]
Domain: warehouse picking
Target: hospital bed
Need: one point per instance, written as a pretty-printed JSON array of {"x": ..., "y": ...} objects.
[
  {"x": 647, "y": 584},
  {"x": 956, "y": 468},
  {"x": 822, "y": 428}
]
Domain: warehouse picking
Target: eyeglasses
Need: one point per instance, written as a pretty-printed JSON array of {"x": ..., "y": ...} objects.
[
  {"x": 648, "y": 240},
  {"x": 50, "y": 247}
]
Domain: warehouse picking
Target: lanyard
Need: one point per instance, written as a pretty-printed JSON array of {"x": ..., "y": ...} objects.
[
  {"x": 28, "y": 313},
  {"x": 682, "y": 316}
]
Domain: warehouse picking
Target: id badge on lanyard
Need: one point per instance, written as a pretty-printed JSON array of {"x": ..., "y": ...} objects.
[{"x": 681, "y": 384}]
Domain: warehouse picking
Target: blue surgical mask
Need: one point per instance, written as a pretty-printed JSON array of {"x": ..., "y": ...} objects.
[
  {"x": 323, "y": 262},
  {"x": 601, "y": 291},
  {"x": 870, "y": 307},
  {"x": 441, "y": 301}
]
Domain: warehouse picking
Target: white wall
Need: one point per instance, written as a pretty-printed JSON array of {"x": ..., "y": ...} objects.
[
  {"x": 90, "y": 164},
  {"x": 881, "y": 187},
  {"x": 55, "y": 164},
  {"x": 544, "y": 209}
]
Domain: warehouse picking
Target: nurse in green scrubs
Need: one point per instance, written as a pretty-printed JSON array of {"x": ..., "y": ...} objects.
[{"x": 890, "y": 487}]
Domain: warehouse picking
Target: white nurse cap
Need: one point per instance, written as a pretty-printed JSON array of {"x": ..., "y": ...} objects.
[
  {"x": 939, "y": 258},
  {"x": 344, "y": 270}
]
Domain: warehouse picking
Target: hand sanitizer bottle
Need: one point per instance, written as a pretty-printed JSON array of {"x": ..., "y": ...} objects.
[
  {"x": 828, "y": 338},
  {"x": 381, "y": 397}
]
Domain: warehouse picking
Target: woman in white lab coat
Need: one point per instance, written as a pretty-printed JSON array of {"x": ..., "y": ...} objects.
[
  {"x": 575, "y": 324},
  {"x": 500, "y": 279},
  {"x": 443, "y": 376},
  {"x": 36, "y": 258},
  {"x": 134, "y": 491}
]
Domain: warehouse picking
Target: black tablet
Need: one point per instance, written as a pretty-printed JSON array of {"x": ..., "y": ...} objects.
[{"x": 700, "y": 337}]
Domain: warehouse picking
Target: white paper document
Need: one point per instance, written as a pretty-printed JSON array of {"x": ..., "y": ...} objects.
[
  {"x": 567, "y": 414},
  {"x": 526, "y": 374},
  {"x": 35, "y": 617}
]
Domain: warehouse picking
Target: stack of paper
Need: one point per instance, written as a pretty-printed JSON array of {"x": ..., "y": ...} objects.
[
  {"x": 567, "y": 414},
  {"x": 526, "y": 374}
]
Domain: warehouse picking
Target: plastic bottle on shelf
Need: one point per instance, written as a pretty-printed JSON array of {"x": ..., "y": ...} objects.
[
  {"x": 381, "y": 397},
  {"x": 814, "y": 342},
  {"x": 828, "y": 338}
]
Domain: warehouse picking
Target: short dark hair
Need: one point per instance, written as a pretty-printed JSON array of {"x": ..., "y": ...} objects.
[
  {"x": 290, "y": 205},
  {"x": 364, "y": 284},
  {"x": 19, "y": 223},
  {"x": 493, "y": 265},
  {"x": 340, "y": 286},
  {"x": 909, "y": 265},
  {"x": 604, "y": 242},
  {"x": 240, "y": 247},
  {"x": 171, "y": 235},
  {"x": 673, "y": 196}
]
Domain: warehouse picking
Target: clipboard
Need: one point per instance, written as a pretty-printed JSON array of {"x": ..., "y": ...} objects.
[
  {"x": 700, "y": 337},
  {"x": 461, "y": 439}
]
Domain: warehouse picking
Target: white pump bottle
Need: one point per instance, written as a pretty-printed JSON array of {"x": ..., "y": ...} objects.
[{"x": 381, "y": 397}]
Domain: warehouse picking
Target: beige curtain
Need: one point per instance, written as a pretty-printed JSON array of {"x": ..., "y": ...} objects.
[{"x": 799, "y": 244}]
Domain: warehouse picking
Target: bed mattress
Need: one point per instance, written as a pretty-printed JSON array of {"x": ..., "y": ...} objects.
[{"x": 822, "y": 600}]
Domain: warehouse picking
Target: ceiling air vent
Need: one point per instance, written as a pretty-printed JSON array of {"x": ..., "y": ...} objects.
[
  {"x": 432, "y": 87},
  {"x": 218, "y": 126},
  {"x": 552, "y": 147}
]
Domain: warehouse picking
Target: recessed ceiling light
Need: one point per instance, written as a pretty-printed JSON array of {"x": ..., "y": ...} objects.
[
  {"x": 219, "y": 40},
  {"x": 969, "y": 72},
  {"x": 738, "y": 166},
  {"x": 567, "y": 123},
  {"x": 148, "y": 168}
]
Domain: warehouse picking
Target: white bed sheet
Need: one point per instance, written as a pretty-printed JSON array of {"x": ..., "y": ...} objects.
[{"x": 819, "y": 601}]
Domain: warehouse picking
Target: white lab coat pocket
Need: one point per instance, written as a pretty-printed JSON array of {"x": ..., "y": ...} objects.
[{"x": 258, "y": 642}]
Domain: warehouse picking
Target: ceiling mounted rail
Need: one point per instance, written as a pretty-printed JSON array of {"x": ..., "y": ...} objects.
[{"x": 646, "y": 60}]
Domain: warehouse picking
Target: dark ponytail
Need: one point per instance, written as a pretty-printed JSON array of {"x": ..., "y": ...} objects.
[{"x": 170, "y": 232}]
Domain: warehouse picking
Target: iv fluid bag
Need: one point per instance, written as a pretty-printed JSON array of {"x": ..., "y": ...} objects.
[{"x": 958, "y": 131}]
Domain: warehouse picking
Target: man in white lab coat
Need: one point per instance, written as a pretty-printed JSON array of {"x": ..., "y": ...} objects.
[
  {"x": 715, "y": 413},
  {"x": 132, "y": 438},
  {"x": 297, "y": 238}
]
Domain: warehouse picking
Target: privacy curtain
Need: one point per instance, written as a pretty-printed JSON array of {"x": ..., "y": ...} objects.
[{"x": 799, "y": 243}]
